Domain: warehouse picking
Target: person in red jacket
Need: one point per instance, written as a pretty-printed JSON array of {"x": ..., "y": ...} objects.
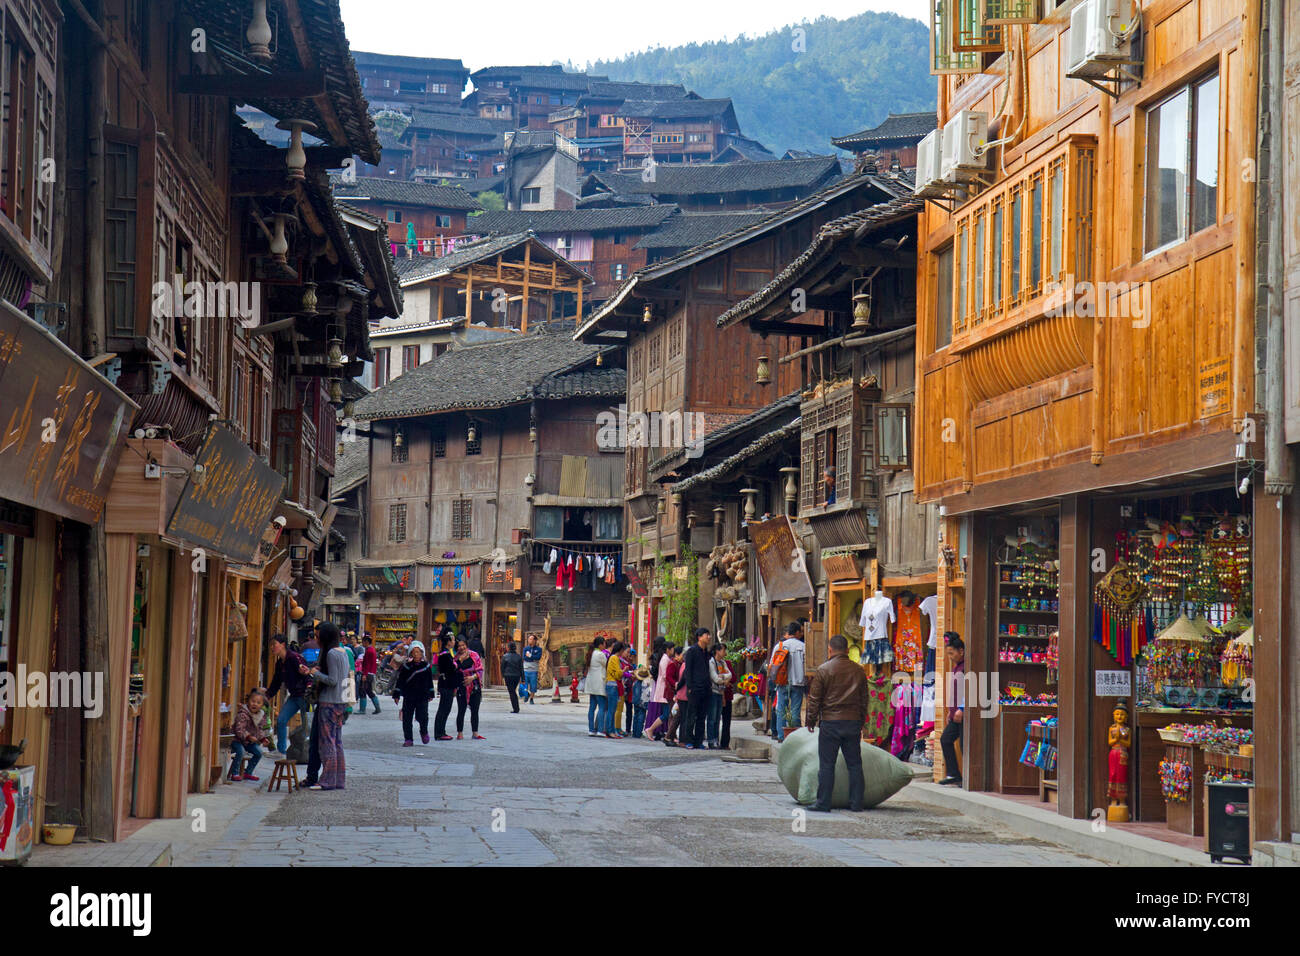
[{"x": 368, "y": 667}]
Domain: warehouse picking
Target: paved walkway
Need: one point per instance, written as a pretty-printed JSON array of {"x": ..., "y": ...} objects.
[{"x": 539, "y": 791}]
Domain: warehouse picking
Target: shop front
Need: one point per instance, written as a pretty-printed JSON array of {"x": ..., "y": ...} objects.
[
  {"x": 61, "y": 445},
  {"x": 451, "y": 597},
  {"x": 390, "y": 607},
  {"x": 1110, "y": 653}
]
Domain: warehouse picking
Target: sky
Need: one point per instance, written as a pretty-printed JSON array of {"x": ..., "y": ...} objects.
[{"x": 518, "y": 32}]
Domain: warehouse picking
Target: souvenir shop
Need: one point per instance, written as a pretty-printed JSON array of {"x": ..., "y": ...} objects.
[
  {"x": 1173, "y": 655},
  {"x": 389, "y": 603}
]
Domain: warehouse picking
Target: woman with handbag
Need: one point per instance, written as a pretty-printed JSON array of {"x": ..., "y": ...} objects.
[
  {"x": 337, "y": 685},
  {"x": 594, "y": 685},
  {"x": 449, "y": 680},
  {"x": 470, "y": 694}
]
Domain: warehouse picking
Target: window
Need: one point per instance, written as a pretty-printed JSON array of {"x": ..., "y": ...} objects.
[
  {"x": 824, "y": 467},
  {"x": 1036, "y": 233},
  {"x": 995, "y": 266},
  {"x": 443, "y": 222},
  {"x": 437, "y": 87},
  {"x": 462, "y": 518},
  {"x": 617, "y": 271},
  {"x": 892, "y": 437},
  {"x": 399, "y": 455},
  {"x": 979, "y": 264},
  {"x": 439, "y": 444},
  {"x": 394, "y": 215},
  {"x": 396, "y": 523},
  {"x": 388, "y": 84},
  {"x": 1182, "y": 164},
  {"x": 381, "y": 368},
  {"x": 1017, "y": 217},
  {"x": 943, "y": 300},
  {"x": 962, "y": 273},
  {"x": 410, "y": 357},
  {"x": 27, "y": 129},
  {"x": 237, "y": 406},
  {"x": 530, "y": 195},
  {"x": 474, "y": 447},
  {"x": 710, "y": 276}
]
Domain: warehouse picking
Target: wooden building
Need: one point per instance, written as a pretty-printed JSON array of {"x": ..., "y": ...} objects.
[
  {"x": 685, "y": 376},
  {"x": 601, "y": 242},
  {"x": 405, "y": 82},
  {"x": 210, "y": 299},
  {"x": 706, "y": 187},
  {"x": 1087, "y": 381},
  {"x": 892, "y": 142},
  {"x": 455, "y": 143},
  {"x": 437, "y": 212},
  {"x": 492, "y": 499}
]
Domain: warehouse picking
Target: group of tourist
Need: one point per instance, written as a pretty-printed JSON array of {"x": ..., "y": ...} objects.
[{"x": 681, "y": 696}]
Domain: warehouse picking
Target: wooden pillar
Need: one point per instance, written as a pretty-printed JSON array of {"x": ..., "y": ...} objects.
[
  {"x": 1101, "y": 266},
  {"x": 178, "y": 606},
  {"x": 1277, "y": 542},
  {"x": 120, "y": 591},
  {"x": 437, "y": 291},
  {"x": 154, "y": 656},
  {"x": 578, "y": 318},
  {"x": 1244, "y": 104},
  {"x": 469, "y": 296},
  {"x": 1074, "y": 695},
  {"x": 34, "y": 632},
  {"x": 528, "y": 268},
  {"x": 978, "y": 735}
]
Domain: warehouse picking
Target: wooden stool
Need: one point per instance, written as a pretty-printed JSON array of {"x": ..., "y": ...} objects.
[{"x": 286, "y": 771}]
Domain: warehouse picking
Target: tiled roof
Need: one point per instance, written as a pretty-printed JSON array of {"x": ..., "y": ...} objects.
[
  {"x": 588, "y": 382},
  {"x": 493, "y": 375},
  {"x": 546, "y": 221},
  {"x": 494, "y": 72},
  {"x": 427, "y": 63},
  {"x": 765, "y": 417},
  {"x": 403, "y": 191},
  {"x": 707, "y": 178},
  {"x": 748, "y": 149},
  {"x": 692, "y": 229},
  {"x": 352, "y": 467},
  {"x": 893, "y": 187},
  {"x": 895, "y": 126},
  {"x": 466, "y": 122},
  {"x": 371, "y": 238},
  {"x": 480, "y": 184},
  {"x": 554, "y": 81},
  {"x": 390, "y": 143},
  {"x": 621, "y": 90},
  {"x": 341, "y": 113},
  {"x": 881, "y": 214},
  {"x": 727, "y": 468},
  {"x": 681, "y": 108}
]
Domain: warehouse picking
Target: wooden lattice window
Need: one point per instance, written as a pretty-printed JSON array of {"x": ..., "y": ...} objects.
[
  {"x": 399, "y": 453},
  {"x": 944, "y": 55},
  {"x": 439, "y": 444},
  {"x": 462, "y": 518},
  {"x": 397, "y": 523}
]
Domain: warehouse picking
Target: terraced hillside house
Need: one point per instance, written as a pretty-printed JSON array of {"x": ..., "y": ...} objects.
[
  {"x": 405, "y": 82},
  {"x": 891, "y": 144},
  {"x": 492, "y": 501},
  {"x": 601, "y": 242},
  {"x": 420, "y": 217},
  {"x": 706, "y": 187}
]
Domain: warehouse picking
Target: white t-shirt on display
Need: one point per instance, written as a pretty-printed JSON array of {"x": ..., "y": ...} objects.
[
  {"x": 930, "y": 608},
  {"x": 877, "y": 613}
]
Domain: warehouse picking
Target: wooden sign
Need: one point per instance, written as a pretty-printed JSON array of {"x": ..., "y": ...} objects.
[
  {"x": 841, "y": 567},
  {"x": 501, "y": 578},
  {"x": 638, "y": 586},
  {"x": 1214, "y": 386},
  {"x": 62, "y": 424},
  {"x": 226, "y": 506},
  {"x": 385, "y": 579},
  {"x": 781, "y": 560}
]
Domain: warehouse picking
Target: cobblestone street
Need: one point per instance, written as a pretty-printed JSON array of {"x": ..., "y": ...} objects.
[{"x": 539, "y": 791}]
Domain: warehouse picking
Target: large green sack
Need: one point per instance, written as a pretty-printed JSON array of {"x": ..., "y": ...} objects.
[{"x": 797, "y": 764}]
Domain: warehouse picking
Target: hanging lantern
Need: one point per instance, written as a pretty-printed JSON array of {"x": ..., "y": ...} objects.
[
  {"x": 645, "y": 315},
  {"x": 663, "y": 505},
  {"x": 599, "y": 359},
  {"x": 340, "y": 448},
  {"x": 764, "y": 374},
  {"x": 532, "y": 433},
  {"x": 399, "y": 437},
  {"x": 471, "y": 436},
  {"x": 259, "y": 33},
  {"x": 862, "y": 304},
  {"x": 334, "y": 359},
  {"x": 336, "y": 391},
  {"x": 347, "y": 409},
  {"x": 296, "y": 157},
  {"x": 279, "y": 244},
  {"x": 309, "y": 298},
  {"x": 751, "y": 508},
  {"x": 791, "y": 486},
  {"x": 677, "y": 499}
]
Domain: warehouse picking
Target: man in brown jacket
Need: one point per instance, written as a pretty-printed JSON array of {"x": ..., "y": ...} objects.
[{"x": 837, "y": 699}]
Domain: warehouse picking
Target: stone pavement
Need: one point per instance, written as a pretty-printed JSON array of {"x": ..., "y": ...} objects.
[{"x": 539, "y": 791}]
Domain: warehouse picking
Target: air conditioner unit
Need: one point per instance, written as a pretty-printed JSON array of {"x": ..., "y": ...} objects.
[
  {"x": 1100, "y": 31},
  {"x": 963, "y": 135},
  {"x": 929, "y": 179}
]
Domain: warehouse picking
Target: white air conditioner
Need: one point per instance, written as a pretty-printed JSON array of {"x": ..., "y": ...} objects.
[
  {"x": 1100, "y": 31},
  {"x": 929, "y": 178},
  {"x": 963, "y": 135}
]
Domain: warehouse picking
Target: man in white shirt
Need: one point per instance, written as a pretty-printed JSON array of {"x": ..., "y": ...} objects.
[{"x": 791, "y": 692}]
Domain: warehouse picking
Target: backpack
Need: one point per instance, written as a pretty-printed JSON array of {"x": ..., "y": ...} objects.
[{"x": 780, "y": 668}]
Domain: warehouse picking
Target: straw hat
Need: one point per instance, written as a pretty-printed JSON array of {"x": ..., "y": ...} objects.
[
  {"x": 1183, "y": 629},
  {"x": 1246, "y": 637},
  {"x": 642, "y": 672}
]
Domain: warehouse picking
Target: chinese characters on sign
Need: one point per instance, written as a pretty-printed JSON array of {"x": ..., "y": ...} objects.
[
  {"x": 226, "y": 506},
  {"x": 384, "y": 579},
  {"x": 61, "y": 438},
  {"x": 1113, "y": 684},
  {"x": 1214, "y": 382}
]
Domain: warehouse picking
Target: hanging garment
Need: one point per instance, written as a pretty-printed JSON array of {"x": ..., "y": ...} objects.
[
  {"x": 900, "y": 744},
  {"x": 876, "y": 727},
  {"x": 550, "y": 561},
  {"x": 908, "y": 654},
  {"x": 930, "y": 608},
  {"x": 877, "y": 612}
]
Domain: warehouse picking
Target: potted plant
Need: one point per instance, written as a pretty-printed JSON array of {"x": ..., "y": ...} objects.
[{"x": 56, "y": 831}]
